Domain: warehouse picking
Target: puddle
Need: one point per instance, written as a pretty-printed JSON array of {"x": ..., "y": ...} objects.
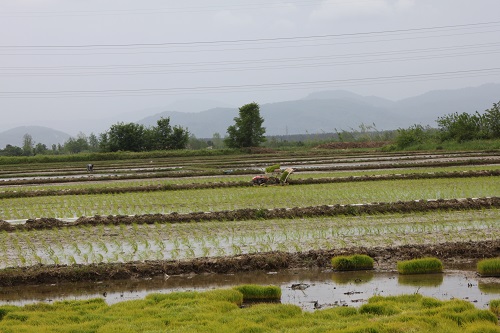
[{"x": 300, "y": 287}]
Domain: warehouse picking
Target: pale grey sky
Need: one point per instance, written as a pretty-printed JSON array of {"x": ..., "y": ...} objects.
[{"x": 73, "y": 64}]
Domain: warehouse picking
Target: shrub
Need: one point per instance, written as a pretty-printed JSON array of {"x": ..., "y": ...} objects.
[
  {"x": 352, "y": 263},
  {"x": 489, "y": 267},
  {"x": 411, "y": 136},
  {"x": 420, "y": 266}
]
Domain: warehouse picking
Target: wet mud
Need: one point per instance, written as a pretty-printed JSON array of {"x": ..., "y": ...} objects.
[
  {"x": 276, "y": 213},
  {"x": 453, "y": 254}
]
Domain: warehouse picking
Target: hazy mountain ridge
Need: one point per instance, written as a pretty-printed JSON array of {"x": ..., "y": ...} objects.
[
  {"x": 318, "y": 112},
  {"x": 328, "y": 111},
  {"x": 39, "y": 134}
]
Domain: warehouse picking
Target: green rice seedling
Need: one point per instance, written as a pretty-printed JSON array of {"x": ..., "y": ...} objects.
[
  {"x": 489, "y": 267},
  {"x": 255, "y": 292},
  {"x": 420, "y": 266},
  {"x": 272, "y": 168},
  {"x": 495, "y": 306},
  {"x": 352, "y": 263}
]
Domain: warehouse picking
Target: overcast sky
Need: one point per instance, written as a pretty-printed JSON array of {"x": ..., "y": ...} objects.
[{"x": 73, "y": 64}]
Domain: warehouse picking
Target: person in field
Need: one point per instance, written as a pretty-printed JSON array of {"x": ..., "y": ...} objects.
[{"x": 90, "y": 167}]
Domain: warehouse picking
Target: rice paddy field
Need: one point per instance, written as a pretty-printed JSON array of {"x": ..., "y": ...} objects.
[{"x": 185, "y": 215}]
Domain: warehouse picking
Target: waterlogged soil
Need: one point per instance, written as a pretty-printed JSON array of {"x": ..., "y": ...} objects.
[
  {"x": 310, "y": 289},
  {"x": 452, "y": 255}
]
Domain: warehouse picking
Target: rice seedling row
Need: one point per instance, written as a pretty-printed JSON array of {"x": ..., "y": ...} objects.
[
  {"x": 230, "y": 178},
  {"x": 252, "y": 197},
  {"x": 119, "y": 244}
]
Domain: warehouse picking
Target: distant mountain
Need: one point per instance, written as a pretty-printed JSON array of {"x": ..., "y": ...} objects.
[
  {"x": 426, "y": 108},
  {"x": 196, "y": 105},
  {"x": 347, "y": 95},
  {"x": 327, "y": 111},
  {"x": 39, "y": 134},
  {"x": 319, "y": 112}
]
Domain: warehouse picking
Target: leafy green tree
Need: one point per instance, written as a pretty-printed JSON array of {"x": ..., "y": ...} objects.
[
  {"x": 93, "y": 142},
  {"x": 492, "y": 121},
  {"x": 125, "y": 137},
  {"x": 217, "y": 141},
  {"x": 40, "y": 149},
  {"x": 78, "y": 145},
  {"x": 247, "y": 130},
  {"x": 179, "y": 138},
  {"x": 161, "y": 134},
  {"x": 11, "y": 150},
  {"x": 28, "y": 145},
  {"x": 462, "y": 127},
  {"x": 413, "y": 135},
  {"x": 195, "y": 143},
  {"x": 164, "y": 136}
]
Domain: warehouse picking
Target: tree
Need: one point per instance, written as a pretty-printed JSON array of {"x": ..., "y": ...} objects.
[
  {"x": 77, "y": 145},
  {"x": 11, "y": 150},
  {"x": 162, "y": 133},
  {"x": 178, "y": 139},
  {"x": 462, "y": 127},
  {"x": 217, "y": 141},
  {"x": 492, "y": 121},
  {"x": 247, "y": 130},
  {"x": 40, "y": 149},
  {"x": 413, "y": 135},
  {"x": 93, "y": 142},
  {"x": 164, "y": 136},
  {"x": 125, "y": 137},
  {"x": 28, "y": 145}
]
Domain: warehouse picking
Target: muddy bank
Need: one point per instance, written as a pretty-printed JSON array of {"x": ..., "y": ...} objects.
[
  {"x": 253, "y": 214},
  {"x": 385, "y": 258}
]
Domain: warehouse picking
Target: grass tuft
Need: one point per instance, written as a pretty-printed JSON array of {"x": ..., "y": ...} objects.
[
  {"x": 489, "y": 267},
  {"x": 256, "y": 292},
  {"x": 352, "y": 263},
  {"x": 495, "y": 307},
  {"x": 420, "y": 266}
]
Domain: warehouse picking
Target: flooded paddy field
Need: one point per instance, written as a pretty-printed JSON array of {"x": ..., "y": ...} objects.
[
  {"x": 120, "y": 255},
  {"x": 310, "y": 289}
]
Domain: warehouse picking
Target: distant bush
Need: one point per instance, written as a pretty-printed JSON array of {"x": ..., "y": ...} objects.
[
  {"x": 414, "y": 135},
  {"x": 352, "y": 263},
  {"x": 420, "y": 266}
]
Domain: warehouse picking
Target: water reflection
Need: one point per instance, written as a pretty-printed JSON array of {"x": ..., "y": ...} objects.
[
  {"x": 318, "y": 289},
  {"x": 358, "y": 277},
  {"x": 421, "y": 280},
  {"x": 489, "y": 287}
]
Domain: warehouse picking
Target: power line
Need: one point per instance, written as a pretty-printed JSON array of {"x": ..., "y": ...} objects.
[
  {"x": 225, "y": 88},
  {"x": 177, "y": 10},
  {"x": 267, "y": 47},
  {"x": 474, "y": 47},
  {"x": 279, "y": 66},
  {"x": 173, "y": 10},
  {"x": 256, "y": 40}
]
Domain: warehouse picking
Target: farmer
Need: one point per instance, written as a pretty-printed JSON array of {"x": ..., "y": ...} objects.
[{"x": 90, "y": 167}]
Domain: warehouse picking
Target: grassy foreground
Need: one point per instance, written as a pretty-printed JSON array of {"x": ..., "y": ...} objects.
[{"x": 219, "y": 311}]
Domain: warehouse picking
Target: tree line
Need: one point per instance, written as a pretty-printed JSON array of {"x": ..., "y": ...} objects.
[
  {"x": 457, "y": 127},
  {"x": 246, "y": 132},
  {"x": 119, "y": 137}
]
